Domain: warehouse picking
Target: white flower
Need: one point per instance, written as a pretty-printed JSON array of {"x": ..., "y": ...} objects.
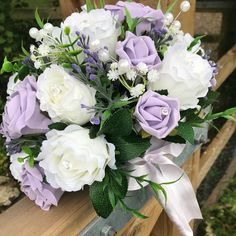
[
  {"x": 62, "y": 96},
  {"x": 71, "y": 159},
  {"x": 185, "y": 75},
  {"x": 32, "y": 48},
  {"x": 138, "y": 90},
  {"x": 37, "y": 64},
  {"x": 142, "y": 68},
  {"x": 12, "y": 84},
  {"x": 113, "y": 75},
  {"x": 16, "y": 167},
  {"x": 98, "y": 24},
  {"x": 114, "y": 66},
  {"x": 44, "y": 49},
  {"x": 131, "y": 75},
  {"x": 152, "y": 75}
]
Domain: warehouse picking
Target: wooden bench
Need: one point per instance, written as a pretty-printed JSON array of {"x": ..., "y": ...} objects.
[{"x": 75, "y": 215}]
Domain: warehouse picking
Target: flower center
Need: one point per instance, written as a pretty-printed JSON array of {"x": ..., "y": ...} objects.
[
  {"x": 67, "y": 164},
  {"x": 164, "y": 111}
]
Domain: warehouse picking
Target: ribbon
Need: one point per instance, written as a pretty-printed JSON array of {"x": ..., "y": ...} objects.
[{"x": 181, "y": 205}]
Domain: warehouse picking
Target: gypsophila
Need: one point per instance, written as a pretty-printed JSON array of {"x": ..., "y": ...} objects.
[
  {"x": 142, "y": 68},
  {"x": 37, "y": 64},
  {"x": 131, "y": 75},
  {"x": 138, "y": 90},
  {"x": 113, "y": 75},
  {"x": 152, "y": 75},
  {"x": 114, "y": 66}
]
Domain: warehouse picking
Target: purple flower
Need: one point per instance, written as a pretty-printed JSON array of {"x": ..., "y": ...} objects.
[
  {"x": 158, "y": 115},
  {"x": 150, "y": 17},
  {"x": 33, "y": 186},
  {"x": 22, "y": 113},
  {"x": 138, "y": 49}
]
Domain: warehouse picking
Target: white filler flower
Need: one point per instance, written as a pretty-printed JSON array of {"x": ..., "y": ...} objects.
[
  {"x": 71, "y": 159},
  {"x": 185, "y": 75},
  {"x": 64, "y": 97},
  {"x": 16, "y": 167},
  {"x": 98, "y": 24}
]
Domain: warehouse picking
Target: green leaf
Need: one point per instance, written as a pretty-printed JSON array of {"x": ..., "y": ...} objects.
[
  {"x": 100, "y": 199},
  {"x": 21, "y": 159},
  {"x": 138, "y": 215},
  {"x": 175, "y": 139},
  {"x": 93, "y": 131},
  {"x": 195, "y": 42},
  {"x": 23, "y": 72},
  {"x": 186, "y": 131},
  {"x": 129, "y": 147},
  {"x": 7, "y": 66},
  {"x": 102, "y": 3},
  {"x": 228, "y": 117},
  {"x": 163, "y": 92},
  {"x": 31, "y": 161},
  {"x": 58, "y": 126},
  {"x": 120, "y": 104},
  {"x": 119, "y": 124},
  {"x": 38, "y": 19},
  {"x": 24, "y": 50},
  {"x": 211, "y": 97},
  {"x": 171, "y": 6},
  {"x": 112, "y": 198},
  {"x": 132, "y": 23},
  {"x": 159, "y": 5},
  {"x": 27, "y": 150},
  {"x": 89, "y": 5}
]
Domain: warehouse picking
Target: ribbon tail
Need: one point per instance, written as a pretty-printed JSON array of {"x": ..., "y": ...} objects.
[{"x": 181, "y": 205}]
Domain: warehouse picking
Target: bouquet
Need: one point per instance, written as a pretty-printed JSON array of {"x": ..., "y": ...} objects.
[{"x": 107, "y": 100}]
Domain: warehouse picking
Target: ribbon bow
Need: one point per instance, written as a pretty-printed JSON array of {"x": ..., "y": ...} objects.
[{"x": 181, "y": 205}]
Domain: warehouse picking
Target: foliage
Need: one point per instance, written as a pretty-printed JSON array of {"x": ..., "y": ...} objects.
[{"x": 221, "y": 217}]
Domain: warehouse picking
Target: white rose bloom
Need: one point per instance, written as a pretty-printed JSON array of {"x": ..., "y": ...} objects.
[
  {"x": 98, "y": 24},
  {"x": 16, "y": 167},
  {"x": 12, "y": 85},
  {"x": 185, "y": 75},
  {"x": 62, "y": 95},
  {"x": 71, "y": 159}
]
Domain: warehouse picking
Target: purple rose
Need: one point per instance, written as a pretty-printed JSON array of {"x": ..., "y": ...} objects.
[
  {"x": 158, "y": 115},
  {"x": 22, "y": 113},
  {"x": 138, "y": 49},
  {"x": 33, "y": 186},
  {"x": 150, "y": 17}
]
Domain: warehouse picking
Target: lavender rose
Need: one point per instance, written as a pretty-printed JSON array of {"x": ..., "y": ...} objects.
[
  {"x": 22, "y": 113},
  {"x": 158, "y": 115},
  {"x": 150, "y": 17},
  {"x": 33, "y": 186},
  {"x": 138, "y": 49}
]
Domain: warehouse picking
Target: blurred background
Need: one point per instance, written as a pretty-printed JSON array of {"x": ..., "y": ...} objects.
[{"x": 216, "y": 19}]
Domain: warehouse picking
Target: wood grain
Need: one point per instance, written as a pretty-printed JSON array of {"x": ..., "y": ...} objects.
[
  {"x": 141, "y": 227},
  {"x": 70, "y": 217},
  {"x": 227, "y": 65},
  {"x": 215, "y": 147}
]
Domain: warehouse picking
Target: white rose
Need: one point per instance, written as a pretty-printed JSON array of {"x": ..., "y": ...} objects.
[
  {"x": 185, "y": 75},
  {"x": 62, "y": 95},
  {"x": 16, "y": 167},
  {"x": 12, "y": 84},
  {"x": 98, "y": 24},
  {"x": 71, "y": 159}
]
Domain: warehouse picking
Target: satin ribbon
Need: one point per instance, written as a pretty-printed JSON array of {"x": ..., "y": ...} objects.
[{"x": 181, "y": 205}]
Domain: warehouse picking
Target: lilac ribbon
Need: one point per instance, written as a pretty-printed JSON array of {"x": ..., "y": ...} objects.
[{"x": 181, "y": 205}]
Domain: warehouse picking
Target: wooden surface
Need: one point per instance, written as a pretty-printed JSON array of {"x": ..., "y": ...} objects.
[
  {"x": 227, "y": 65},
  {"x": 214, "y": 149},
  {"x": 73, "y": 214},
  {"x": 68, "y": 7},
  {"x": 230, "y": 172},
  {"x": 141, "y": 227}
]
